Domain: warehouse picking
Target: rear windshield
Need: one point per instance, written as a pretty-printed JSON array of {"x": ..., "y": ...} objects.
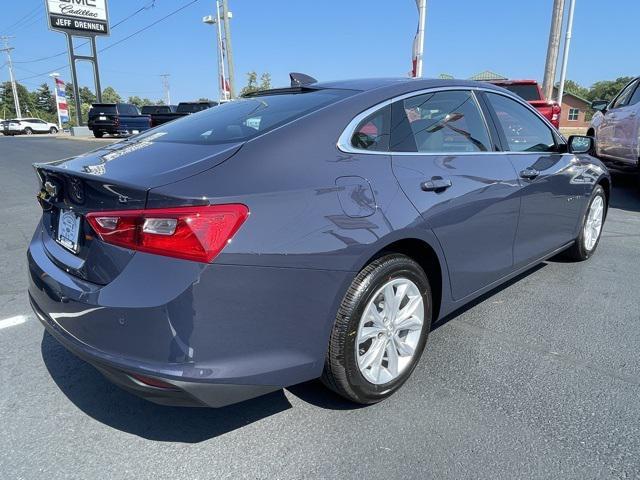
[
  {"x": 103, "y": 109},
  {"x": 244, "y": 119},
  {"x": 528, "y": 92}
]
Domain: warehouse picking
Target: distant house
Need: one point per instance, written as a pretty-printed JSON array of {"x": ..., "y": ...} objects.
[{"x": 574, "y": 110}]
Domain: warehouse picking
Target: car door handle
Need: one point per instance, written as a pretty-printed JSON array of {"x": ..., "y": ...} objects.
[
  {"x": 529, "y": 173},
  {"x": 436, "y": 184}
]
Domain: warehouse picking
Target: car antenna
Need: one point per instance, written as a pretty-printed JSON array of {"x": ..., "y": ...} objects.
[{"x": 301, "y": 79}]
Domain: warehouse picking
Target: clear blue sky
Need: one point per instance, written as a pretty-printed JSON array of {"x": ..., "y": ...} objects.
[{"x": 330, "y": 40}]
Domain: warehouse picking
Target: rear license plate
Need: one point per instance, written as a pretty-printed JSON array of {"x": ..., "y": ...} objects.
[
  {"x": 68, "y": 230},
  {"x": 102, "y": 118},
  {"x": 135, "y": 131}
]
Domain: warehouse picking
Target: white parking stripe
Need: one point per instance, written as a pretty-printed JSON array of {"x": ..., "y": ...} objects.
[{"x": 13, "y": 321}]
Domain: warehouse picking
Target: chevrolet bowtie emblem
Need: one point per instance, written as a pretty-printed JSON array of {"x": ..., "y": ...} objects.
[{"x": 51, "y": 189}]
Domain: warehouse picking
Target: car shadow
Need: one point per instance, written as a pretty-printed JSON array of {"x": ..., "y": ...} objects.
[
  {"x": 625, "y": 194},
  {"x": 97, "y": 397}
]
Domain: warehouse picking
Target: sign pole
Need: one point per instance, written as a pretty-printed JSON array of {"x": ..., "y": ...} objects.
[
  {"x": 96, "y": 70},
  {"x": 74, "y": 79}
]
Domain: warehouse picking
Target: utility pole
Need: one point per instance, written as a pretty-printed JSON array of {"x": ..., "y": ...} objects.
[
  {"x": 227, "y": 40},
  {"x": 16, "y": 101},
  {"x": 165, "y": 87},
  {"x": 222, "y": 77},
  {"x": 419, "y": 40},
  {"x": 553, "y": 48},
  {"x": 565, "y": 52}
]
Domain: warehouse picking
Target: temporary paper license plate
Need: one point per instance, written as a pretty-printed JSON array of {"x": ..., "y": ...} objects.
[{"x": 68, "y": 230}]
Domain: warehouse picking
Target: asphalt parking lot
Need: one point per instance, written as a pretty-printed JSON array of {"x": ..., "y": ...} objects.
[{"x": 539, "y": 379}]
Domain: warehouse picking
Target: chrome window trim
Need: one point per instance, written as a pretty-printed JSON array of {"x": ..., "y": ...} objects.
[{"x": 344, "y": 141}]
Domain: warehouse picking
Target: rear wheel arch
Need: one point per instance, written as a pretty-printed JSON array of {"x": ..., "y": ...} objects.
[{"x": 424, "y": 254}]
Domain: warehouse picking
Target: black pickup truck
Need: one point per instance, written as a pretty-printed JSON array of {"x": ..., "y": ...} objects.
[
  {"x": 117, "y": 119},
  {"x": 182, "y": 110}
]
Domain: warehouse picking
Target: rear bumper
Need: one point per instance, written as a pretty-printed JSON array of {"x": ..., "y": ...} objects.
[{"x": 219, "y": 334}]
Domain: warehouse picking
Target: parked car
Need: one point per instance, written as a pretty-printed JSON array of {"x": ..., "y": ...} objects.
[
  {"x": 27, "y": 126},
  {"x": 295, "y": 234},
  {"x": 182, "y": 110},
  {"x": 154, "y": 110},
  {"x": 116, "y": 119},
  {"x": 530, "y": 90},
  {"x": 616, "y": 127}
]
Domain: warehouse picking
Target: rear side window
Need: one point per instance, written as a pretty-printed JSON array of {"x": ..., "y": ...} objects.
[
  {"x": 244, "y": 119},
  {"x": 373, "y": 131},
  {"x": 523, "y": 129},
  {"x": 439, "y": 122}
]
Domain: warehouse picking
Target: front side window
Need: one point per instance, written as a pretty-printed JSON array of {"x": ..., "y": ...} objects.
[
  {"x": 623, "y": 99},
  {"x": 523, "y": 129},
  {"x": 635, "y": 98},
  {"x": 439, "y": 122},
  {"x": 373, "y": 132},
  {"x": 573, "y": 114}
]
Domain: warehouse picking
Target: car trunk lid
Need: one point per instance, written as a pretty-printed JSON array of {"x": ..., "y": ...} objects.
[{"x": 116, "y": 177}]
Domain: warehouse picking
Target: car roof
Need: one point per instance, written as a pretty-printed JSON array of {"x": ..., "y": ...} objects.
[{"x": 400, "y": 84}]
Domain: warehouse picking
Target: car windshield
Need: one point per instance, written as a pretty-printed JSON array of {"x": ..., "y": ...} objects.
[
  {"x": 243, "y": 119},
  {"x": 528, "y": 92}
]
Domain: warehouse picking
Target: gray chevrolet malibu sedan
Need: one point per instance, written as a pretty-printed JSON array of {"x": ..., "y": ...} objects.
[{"x": 308, "y": 232}]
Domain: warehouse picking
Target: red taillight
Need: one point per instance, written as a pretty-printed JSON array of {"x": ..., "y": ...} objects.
[
  {"x": 191, "y": 233},
  {"x": 153, "y": 382}
]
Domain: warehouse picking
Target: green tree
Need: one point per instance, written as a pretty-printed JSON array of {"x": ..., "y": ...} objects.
[
  {"x": 86, "y": 96},
  {"x": 44, "y": 100},
  {"x": 575, "y": 88},
  {"x": 140, "y": 102},
  {"x": 252, "y": 83},
  {"x": 6, "y": 96},
  {"x": 109, "y": 95},
  {"x": 265, "y": 81},
  {"x": 607, "y": 89}
]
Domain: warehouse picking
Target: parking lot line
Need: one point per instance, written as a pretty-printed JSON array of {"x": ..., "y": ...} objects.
[{"x": 13, "y": 321}]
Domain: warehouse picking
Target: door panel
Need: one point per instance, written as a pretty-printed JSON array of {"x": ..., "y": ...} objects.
[
  {"x": 618, "y": 131},
  {"x": 550, "y": 205},
  {"x": 475, "y": 219},
  {"x": 550, "y": 199},
  {"x": 464, "y": 192}
]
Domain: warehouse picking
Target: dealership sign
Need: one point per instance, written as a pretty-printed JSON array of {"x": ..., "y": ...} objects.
[{"x": 79, "y": 17}]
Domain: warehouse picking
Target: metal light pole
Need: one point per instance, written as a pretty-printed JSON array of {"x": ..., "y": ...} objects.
[
  {"x": 226, "y": 14},
  {"x": 16, "y": 100},
  {"x": 55, "y": 75},
  {"x": 222, "y": 78},
  {"x": 565, "y": 51},
  {"x": 166, "y": 88},
  {"x": 422, "y": 19},
  {"x": 553, "y": 48}
]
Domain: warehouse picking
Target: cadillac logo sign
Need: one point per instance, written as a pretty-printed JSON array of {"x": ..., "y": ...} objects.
[{"x": 78, "y": 16}]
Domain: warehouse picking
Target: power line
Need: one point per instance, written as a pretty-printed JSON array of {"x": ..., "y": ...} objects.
[
  {"x": 118, "y": 42},
  {"x": 23, "y": 18},
  {"x": 148, "y": 26},
  {"x": 115, "y": 25}
]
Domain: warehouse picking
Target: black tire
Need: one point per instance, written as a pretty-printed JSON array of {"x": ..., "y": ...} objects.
[
  {"x": 53, "y": 130},
  {"x": 341, "y": 372},
  {"x": 578, "y": 251},
  {"x": 28, "y": 131},
  {"x": 98, "y": 134}
]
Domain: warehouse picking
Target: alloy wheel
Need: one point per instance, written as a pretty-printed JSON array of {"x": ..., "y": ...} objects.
[
  {"x": 593, "y": 223},
  {"x": 389, "y": 331}
]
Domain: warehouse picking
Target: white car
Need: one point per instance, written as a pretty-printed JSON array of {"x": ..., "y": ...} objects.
[
  {"x": 616, "y": 128},
  {"x": 27, "y": 126}
]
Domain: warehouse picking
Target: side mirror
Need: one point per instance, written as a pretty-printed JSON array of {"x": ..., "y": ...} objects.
[
  {"x": 580, "y": 144},
  {"x": 599, "y": 105}
]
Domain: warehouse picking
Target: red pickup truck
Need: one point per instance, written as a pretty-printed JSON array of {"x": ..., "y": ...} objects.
[{"x": 532, "y": 93}]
